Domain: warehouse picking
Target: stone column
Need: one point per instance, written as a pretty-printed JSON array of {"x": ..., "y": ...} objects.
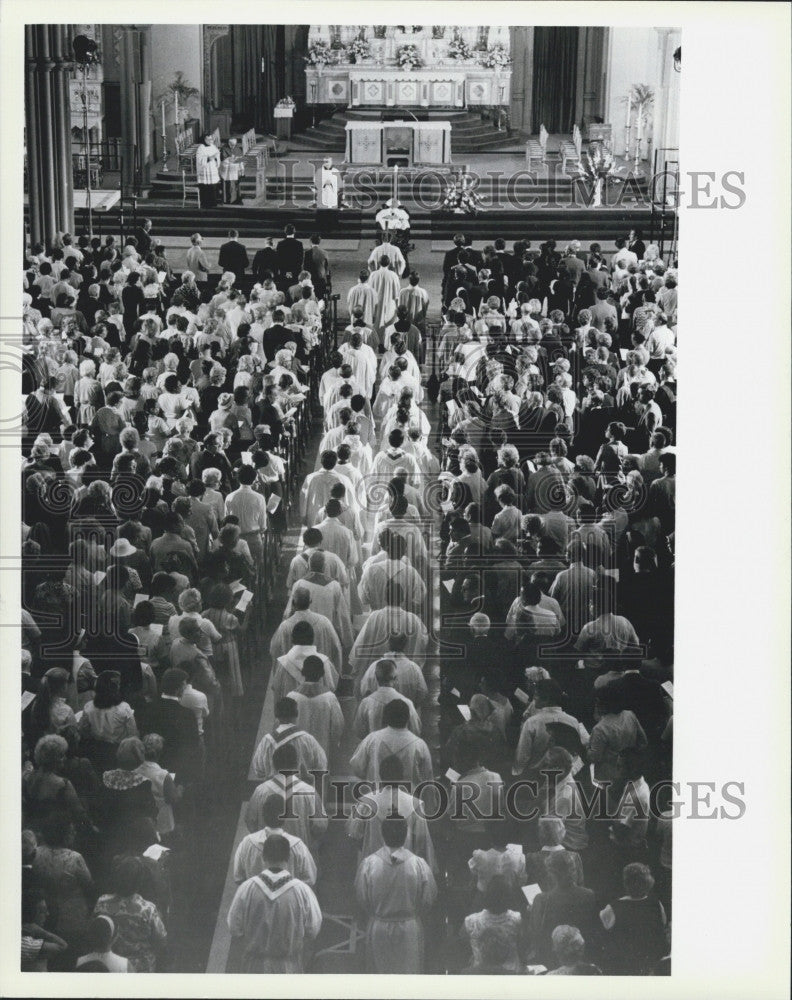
[
  {"x": 48, "y": 131},
  {"x": 61, "y": 112}
]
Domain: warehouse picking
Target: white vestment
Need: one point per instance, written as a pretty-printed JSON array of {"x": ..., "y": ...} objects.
[
  {"x": 411, "y": 750},
  {"x": 365, "y": 822},
  {"x": 207, "y": 159},
  {"x": 248, "y": 860},
  {"x": 275, "y": 913},
  {"x": 395, "y": 888}
]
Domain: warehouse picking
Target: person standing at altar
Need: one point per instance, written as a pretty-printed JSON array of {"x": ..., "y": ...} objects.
[
  {"x": 386, "y": 286},
  {"x": 329, "y": 186},
  {"x": 290, "y": 254},
  {"x": 232, "y": 167},
  {"x": 207, "y": 161}
]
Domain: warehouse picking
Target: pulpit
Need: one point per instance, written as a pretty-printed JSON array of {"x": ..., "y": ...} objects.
[{"x": 283, "y": 121}]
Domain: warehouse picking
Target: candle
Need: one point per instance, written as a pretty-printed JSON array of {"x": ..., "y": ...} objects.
[
  {"x": 176, "y": 109},
  {"x": 163, "y": 118},
  {"x": 629, "y": 109},
  {"x": 395, "y": 184}
]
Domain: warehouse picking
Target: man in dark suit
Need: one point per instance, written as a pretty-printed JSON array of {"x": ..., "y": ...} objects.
[
  {"x": 506, "y": 259},
  {"x": 318, "y": 264},
  {"x": 266, "y": 260},
  {"x": 451, "y": 258},
  {"x": 233, "y": 256},
  {"x": 275, "y": 336},
  {"x": 143, "y": 237},
  {"x": 636, "y": 244},
  {"x": 290, "y": 254},
  {"x": 176, "y": 725}
]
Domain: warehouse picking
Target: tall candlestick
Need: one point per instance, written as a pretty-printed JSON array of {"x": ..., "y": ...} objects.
[{"x": 629, "y": 110}]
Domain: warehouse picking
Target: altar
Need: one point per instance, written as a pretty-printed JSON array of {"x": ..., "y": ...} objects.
[
  {"x": 398, "y": 143},
  {"x": 408, "y": 66}
]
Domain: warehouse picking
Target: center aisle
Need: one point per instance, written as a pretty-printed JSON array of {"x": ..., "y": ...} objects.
[{"x": 338, "y": 949}]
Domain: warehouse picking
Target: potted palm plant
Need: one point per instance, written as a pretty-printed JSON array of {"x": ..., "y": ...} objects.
[{"x": 181, "y": 90}]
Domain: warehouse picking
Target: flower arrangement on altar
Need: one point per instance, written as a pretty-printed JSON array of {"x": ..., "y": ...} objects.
[
  {"x": 597, "y": 165},
  {"x": 438, "y": 31},
  {"x": 459, "y": 49},
  {"x": 408, "y": 56},
  {"x": 461, "y": 196},
  {"x": 495, "y": 57},
  {"x": 286, "y": 102},
  {"x": 358, "y": 49},
  {"x": 414, "y": 29},
  {"x": 320, "y": 54}
]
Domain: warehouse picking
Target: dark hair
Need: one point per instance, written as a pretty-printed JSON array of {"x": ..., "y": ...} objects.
[
  {"x": 107, "y": 692},
  {"x": 394, "y": 828},
  {"x": 396, "y": 714}
]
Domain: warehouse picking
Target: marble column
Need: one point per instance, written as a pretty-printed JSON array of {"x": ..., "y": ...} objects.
[{"x": 48, "y": 131}]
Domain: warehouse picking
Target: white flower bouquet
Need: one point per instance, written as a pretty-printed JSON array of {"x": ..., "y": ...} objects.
[
  {"x": 495, "y": 57},
  {"x": 408, "y": 57}
]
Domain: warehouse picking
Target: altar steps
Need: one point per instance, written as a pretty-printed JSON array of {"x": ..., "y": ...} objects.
[
  {"x": 561, "y": 224},
  {"x": 469, "y": 133}
]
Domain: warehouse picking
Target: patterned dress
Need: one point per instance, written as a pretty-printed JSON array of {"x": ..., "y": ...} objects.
[
  {"x": 226, "y": 651},
  {"x": 139, "y": 928}
]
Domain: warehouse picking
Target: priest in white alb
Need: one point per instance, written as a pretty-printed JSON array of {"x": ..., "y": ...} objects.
[
  {"x": 275, "y": 914},
  {"x": 393, "y": 740},
  {"x": 395, "y": 888}
]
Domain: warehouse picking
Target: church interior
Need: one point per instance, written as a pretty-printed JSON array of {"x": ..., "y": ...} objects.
[{"x": 521, "y": 307}]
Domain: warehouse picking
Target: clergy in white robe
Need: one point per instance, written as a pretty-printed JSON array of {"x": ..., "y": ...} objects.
[
  {"x": 207, "y": 161},
  {"x": 313, "y": 539},
  {"x": 310, "y": 755},
  {"x": 248, "y": 860},
  {"x": 392, "y": 252},
  {"x": 334, "y": 435},
  {"x": 337, "y": 389},
  {"x": 395, "y": 457},
  {"x": 376, "y": 636},
  {"x": 379, "y": 575},
  {"x": 362, "y": 296},
  {"x": 365, "y": 821},
  {"x": 363, "y": 361},
  {"x": 352, "y": 470},
  {"x": 324, "y": 639},
  {"x": 386, "y": 286},
  {"x": 392, "y": 355},
  {"x": 315, "y": 491},
  {"x": 275, "y": 914},
  {"x": 393, "y": 384},
  {"x": 393, "y": 740},
  {"x": 329, "y": 378},
  {"x": 328, "y": 185},
  {"x": 397, "y": 524},
  {"x": 368, "y": 718},
  {"x": 327, "y": 598},
  {"x": 395, "y": 888},
  {"x": 409, "y": 676},
  {"x": 318, "y": 710},
  {"x": 304, "y": 817}
]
